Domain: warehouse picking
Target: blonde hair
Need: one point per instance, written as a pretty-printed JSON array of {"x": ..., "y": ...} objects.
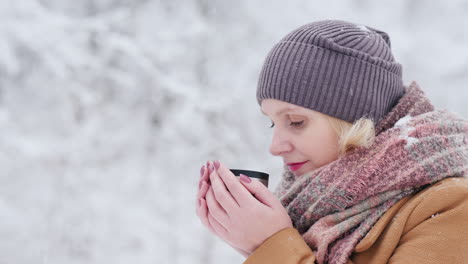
[{"x": 361, "y": 133}]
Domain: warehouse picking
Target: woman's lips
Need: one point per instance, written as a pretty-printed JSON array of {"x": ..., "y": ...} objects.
[{"x": 296, "y": 166}]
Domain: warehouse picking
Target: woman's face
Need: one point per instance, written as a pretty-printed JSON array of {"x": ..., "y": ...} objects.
[{"x": 300, "y": 135}]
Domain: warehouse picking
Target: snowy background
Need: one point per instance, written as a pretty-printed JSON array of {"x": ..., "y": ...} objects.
[{"x": 108, "y": 109}]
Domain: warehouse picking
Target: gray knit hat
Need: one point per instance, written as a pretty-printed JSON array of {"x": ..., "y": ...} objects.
[{"x": 334, "y": 67}]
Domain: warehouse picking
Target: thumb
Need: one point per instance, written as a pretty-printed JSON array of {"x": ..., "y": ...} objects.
[{"x": 260, "y": 191}]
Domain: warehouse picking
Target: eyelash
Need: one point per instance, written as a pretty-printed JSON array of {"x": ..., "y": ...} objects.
[{"x": 294, "y": 124}]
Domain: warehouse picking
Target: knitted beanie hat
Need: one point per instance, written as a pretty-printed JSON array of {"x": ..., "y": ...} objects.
[{"x": 335, "y": 67}]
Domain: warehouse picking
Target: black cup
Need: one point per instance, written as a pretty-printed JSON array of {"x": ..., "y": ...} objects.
[{"x": 256, "y": 175}]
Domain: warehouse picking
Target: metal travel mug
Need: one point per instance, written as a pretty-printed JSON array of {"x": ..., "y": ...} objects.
[{"x": 255, "y": 175}]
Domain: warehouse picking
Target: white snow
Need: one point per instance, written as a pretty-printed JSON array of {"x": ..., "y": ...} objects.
[
  {"x": 363, "y": 28},
  {"x": 403, "y": 121},
  {"x": 108, "y": 109},
  {"x": 406, "y": 130},
  {"x": 410, "y": 141}
]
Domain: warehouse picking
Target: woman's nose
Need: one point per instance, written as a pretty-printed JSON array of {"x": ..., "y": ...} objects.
[{"x": 279, "y": 144}]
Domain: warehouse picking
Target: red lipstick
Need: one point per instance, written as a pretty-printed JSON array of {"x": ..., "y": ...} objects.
[{"x": 295, "y": 166}]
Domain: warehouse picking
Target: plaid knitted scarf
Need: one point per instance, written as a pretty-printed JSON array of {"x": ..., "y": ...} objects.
[{"x": 336, "y": 205}]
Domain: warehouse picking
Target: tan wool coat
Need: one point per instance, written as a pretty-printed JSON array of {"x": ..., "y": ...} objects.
[{"x": 430, "y": 226}]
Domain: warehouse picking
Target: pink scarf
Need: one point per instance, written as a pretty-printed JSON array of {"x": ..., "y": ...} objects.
[{"x": 335, "y": 206}]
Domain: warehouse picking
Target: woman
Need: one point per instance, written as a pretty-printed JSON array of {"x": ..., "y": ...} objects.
[{"x": 373, "y": 173}]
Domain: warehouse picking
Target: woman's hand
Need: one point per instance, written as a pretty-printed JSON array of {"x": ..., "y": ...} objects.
[
  {"x": 203, "y": 186},
  {"x": 243, "y": 213},
  {"x": 201, "y": 207}
]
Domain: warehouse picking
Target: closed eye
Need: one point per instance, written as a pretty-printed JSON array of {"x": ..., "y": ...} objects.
[
  {"x": 297, "y": 124},
  {"x": 294, "y": 124}
]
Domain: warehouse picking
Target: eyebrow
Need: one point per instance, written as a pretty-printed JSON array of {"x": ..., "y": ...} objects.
[{"x": 279, "y": 112}]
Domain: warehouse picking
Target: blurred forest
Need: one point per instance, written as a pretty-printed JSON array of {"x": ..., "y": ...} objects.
[{"x": 108, "y": 109}]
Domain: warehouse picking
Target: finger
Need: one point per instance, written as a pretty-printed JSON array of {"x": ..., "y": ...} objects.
[
  {"x": 222, "y": 195},
  {"x": 203, "y": 183},
  {"x": 260, "y": 192},
  {"x": 205, "y": 175},
  {"x": 238, "y": 192},
  {"x": 202, "y": 209},
  {"x": 202, "y": 191},
  {"x": 218, "y": 227},
  {"x": 202, "y": 212},
  {"x": 215, "y": 209},
  {"x": 202, "y": 170},
  {"x": 201, "y": 195}
]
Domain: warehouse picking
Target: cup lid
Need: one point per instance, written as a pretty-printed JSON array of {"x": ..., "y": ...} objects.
[{"x": 250, "y": 173}]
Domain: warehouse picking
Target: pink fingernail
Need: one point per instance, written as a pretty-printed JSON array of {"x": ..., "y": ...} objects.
[
  {"x": 245, "y": 178},
  {"x": 202, "y": 170},
  {"x": 216, "y": 164}
]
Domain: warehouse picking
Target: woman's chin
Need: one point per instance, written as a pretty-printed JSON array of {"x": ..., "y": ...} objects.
[{"x": 300, "y": 172}]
